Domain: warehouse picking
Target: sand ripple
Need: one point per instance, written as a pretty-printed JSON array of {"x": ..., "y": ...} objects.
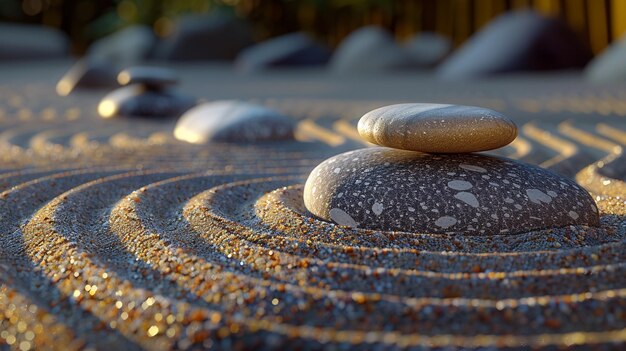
[{"x": 128, "y": 239}]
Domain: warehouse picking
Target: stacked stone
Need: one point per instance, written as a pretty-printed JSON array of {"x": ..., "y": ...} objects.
[
  {"x": 426, "y": 177},
  {"x": 146, "y": 92}
]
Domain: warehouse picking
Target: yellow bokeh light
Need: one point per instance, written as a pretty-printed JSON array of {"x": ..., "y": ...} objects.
[
  {"x": 107, "y": 108},
  {"x": 123, "y": 78},
  {"x": 188, "y": 136},
  {"x": 64, "y": 88},
  {"x": 153, "y": 331}
]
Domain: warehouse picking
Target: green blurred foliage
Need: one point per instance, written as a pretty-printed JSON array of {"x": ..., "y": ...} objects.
[
  {"x": 88, "y": 20},
  {"x": 328, "y": 20}
]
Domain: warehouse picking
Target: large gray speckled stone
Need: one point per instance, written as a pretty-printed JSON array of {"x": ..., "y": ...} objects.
[
  {"x": 388, "y": 189},
  {"x": 233, "y": 121},
  {"x": 437, "y": 128},
  {"x": 139, "y": 101}
]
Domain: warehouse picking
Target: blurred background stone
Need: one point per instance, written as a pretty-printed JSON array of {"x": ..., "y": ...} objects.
[
  {"x": 369, "y": 49},
  {"x": 514, "y": 42},
  {"x": 151, "y": 77},
  {"x": 290, "y": 50},
  {"x": 610, "y": 65},
  {"x": 216, "y": 36},
  {"x": 129, "y": 46},
  {"x": 88, "y": 74},
  {"x": 428, "y": 49},
  {"x": 138, "y": 101},
  {"x": 233, "y": 121},
  {"x": 21, "y": 41}
]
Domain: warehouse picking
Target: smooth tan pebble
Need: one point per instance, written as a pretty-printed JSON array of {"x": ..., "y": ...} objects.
[{"x": 436, "y": 128}]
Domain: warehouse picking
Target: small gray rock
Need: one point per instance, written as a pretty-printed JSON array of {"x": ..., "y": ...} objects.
[
  {"x": 469, "y": 194},
  {"x": 296, "y": 49},
  {"x": 610, "y": 65},
  {"x": 233, "y": 121},
  {"x": 129, "y": 46},
  {"x": 217, "y": 36},
  {"x": 514, "y": 42},
  {"x": 151, "y": 77},
  {"x": 22, "y": 41},
  {"x": 428, "y": 49},
  {"x": 87, "y": 74},
  {"x": 369, "y": 49},
  {"x": 139, "y": 101},
  {"x": 437, "y": 128}
]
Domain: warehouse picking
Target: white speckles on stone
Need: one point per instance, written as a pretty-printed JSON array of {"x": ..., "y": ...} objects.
[
  {"x": 337, "y": 170},
  {"x": 473, "y": 168},
  {"x": 377, "y": 208},
  {"x": 442, "y": 128},
  {"x": 459, "y": 185},
  {"x": 409, "y": 196},
  {"x": 573, "y": 214},
  {"x": 537, "y": 196},
  {"x": 445, "y": 222},
  {"x": 340, "y": 217},
  {"x": 468, "y": 198}
]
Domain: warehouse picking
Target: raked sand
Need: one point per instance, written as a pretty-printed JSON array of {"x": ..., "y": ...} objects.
[{"x": 116, "y": 235}]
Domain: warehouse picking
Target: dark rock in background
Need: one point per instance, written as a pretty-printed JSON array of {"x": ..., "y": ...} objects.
[
  {"x": 428, "y": 49},
  {"x": 295, "y": 49},
  {"x": 140, "y": 101},
  {"x": 126, "y": 47},
  {"x": 609, "y": 65},
  {"x": 22, "y": 41},
  {"x": 369, "y": 49},
  {"x": 88, "y": 74},
  {"x": 517, "y": 41},
  {"x": 205, "y": 37},
  {"x": 152, "y": 77}
]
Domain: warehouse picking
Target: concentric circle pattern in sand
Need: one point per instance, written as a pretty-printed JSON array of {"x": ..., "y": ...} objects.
[{"x": 115, "y": 235}]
